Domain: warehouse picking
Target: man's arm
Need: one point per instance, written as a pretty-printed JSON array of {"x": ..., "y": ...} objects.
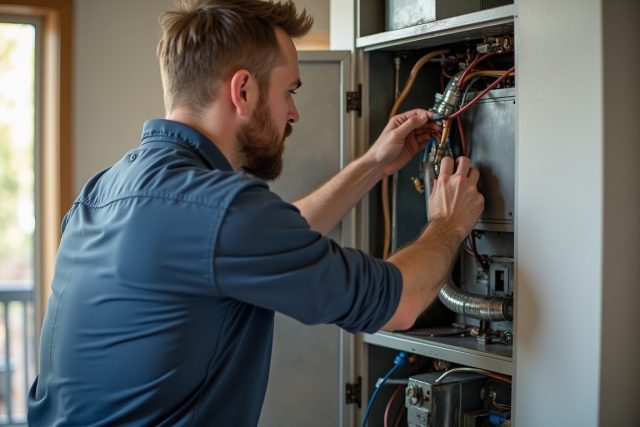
[
  {"x": 456, "y": 206},
  {"x": 402, "y": 138}
]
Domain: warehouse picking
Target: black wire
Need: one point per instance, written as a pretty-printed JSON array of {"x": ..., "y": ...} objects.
[
  {"x": 473, "y": 81},
  {"x": 463, "y": 98}
]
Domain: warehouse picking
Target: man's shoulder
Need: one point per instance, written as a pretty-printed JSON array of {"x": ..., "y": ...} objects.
[
  {"x": 224, "y": 188},
  {"x": 175, "y": 178}
]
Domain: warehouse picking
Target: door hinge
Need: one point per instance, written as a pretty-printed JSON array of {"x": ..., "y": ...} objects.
[
  {"x": 354, "y": 100},
  {"x": 354, "y": 392}
]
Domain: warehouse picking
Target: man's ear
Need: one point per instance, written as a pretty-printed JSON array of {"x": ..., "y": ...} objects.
[{"x": 245, "y": 92}]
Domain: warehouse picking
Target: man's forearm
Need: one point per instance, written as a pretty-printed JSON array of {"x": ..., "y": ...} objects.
[
  {"x": 326, "y": 206},
  {"x": 402, "y": 138},
  {"x": 424, "y": 265}
]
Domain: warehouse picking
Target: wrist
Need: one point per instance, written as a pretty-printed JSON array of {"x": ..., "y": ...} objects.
[
  {"x": 369, "y": 163},
  {"x": 448, "y": 229}
]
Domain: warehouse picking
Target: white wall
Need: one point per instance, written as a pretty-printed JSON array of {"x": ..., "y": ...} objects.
[
  {"x": 117, "y": 78},
  {"x": 559, "y": 212},
  {"x": 578, "y": 210}
]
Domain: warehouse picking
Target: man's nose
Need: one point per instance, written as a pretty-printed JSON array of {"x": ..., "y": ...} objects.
[{"x": 293, "y": 115}]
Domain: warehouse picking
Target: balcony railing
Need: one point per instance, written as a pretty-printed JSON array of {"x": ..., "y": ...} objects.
[{"x": 17, "y": 358}]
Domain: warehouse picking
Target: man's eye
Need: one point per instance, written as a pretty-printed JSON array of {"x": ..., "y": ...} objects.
[{"x": 293, "y": 92}]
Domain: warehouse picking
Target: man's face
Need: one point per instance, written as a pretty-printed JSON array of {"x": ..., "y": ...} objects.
[{"x": 261, "y": 141}]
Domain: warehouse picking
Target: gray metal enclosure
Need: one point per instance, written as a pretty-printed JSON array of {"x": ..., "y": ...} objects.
[{"x": 576, "y": 228}]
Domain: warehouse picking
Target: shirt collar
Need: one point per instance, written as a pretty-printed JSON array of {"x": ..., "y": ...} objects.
[{"x": 162, "y": 130}]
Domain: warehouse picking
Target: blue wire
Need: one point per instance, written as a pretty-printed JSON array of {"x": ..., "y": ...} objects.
[
  {"x": 497, "y": 419},
  {"x": 375, "y": 394},
  {"x": 400, "y": 360}
]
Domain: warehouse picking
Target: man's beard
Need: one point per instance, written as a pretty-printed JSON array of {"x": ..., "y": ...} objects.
[{"x": 260, "y": 145}]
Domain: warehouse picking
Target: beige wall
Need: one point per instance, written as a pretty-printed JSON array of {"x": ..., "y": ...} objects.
[
  {"x": 117, "y": 80},
  {"x": 318, "y": 38}
]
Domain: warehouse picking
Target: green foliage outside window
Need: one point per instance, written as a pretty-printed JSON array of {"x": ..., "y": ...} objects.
[{"x": 16, "y": 151}]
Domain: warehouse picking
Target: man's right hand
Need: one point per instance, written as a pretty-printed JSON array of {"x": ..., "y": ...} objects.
[
  {"x": 455, "y": 205},
  {"x": 455, "y": 199}
]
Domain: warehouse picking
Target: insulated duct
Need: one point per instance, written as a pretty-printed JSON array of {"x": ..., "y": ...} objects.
[{"x": 475, "y": 306}]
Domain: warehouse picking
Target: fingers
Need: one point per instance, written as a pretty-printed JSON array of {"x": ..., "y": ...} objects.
[
  {"x": 410, "y": 124},
  {"x": 446, "y": 166},
  {"x": 415, "y": 112},
  {"x": 416, "y": 120},
  {"x": 455, "y": 197},
  {"x": 462, "y": 167},
  {"x": 428, "y": 129},
  {"x": 474, "y": 176},
  {"x": 424, "y": 117},
  {"x": 423, "y": 114}
]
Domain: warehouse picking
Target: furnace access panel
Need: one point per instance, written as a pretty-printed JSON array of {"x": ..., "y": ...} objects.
[{"x": 461, "y": 67}]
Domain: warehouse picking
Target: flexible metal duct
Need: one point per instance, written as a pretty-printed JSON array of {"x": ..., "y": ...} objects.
[{"x": 476, "y": 306}]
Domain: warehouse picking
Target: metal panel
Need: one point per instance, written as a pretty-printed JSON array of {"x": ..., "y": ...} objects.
[
  {"x": 405, "y": 13},
  {"x": 494, "y": 21},
  {"x": 462, "y": 350},
  {"x": 308, "y": 367},
  {"x": 443, "y": 404},
  {"x": 490, "y": 127}
]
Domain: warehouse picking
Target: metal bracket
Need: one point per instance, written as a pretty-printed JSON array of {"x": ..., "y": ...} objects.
[
  {"x": 354, "y": 392},
  {"x": 354, "y": 101}
]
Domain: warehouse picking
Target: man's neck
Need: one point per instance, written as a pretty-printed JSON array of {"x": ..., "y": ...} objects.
[{"x": 216, "y": 124}]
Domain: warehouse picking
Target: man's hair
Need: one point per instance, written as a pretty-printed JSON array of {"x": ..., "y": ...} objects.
[{"x": 205, "y": 41}]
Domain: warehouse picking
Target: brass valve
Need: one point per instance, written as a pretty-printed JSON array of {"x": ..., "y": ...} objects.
[{"x": 418, "y": 184}]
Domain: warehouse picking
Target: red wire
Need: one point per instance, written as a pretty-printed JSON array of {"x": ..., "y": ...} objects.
[
  {"x": 479, "y": 58},
  {"x": 481, "y": 94},
  {"x": 403, "y": 410},
  {"x": 475, "y": 62},
  {"x": 390, "y": 403},
  {"x": 475, "y": 249},
  {"x": 473, "y": 244},
  {"x": 463, "y": 143}
]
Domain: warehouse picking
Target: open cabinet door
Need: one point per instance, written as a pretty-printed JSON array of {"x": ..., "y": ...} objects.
[{"x": 311, "y": 364}]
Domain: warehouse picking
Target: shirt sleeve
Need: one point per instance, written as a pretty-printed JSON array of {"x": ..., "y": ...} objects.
[{"x": 267, "y": 255}]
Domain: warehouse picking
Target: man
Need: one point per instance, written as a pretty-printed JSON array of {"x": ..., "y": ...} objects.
[{"x": 173, "y": 261}]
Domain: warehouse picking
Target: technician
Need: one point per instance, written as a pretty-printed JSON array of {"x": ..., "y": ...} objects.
[{"x": 173, "y": 261}]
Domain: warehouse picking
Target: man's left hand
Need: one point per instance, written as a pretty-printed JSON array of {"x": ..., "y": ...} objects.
[{"x": 403, "y": 137}]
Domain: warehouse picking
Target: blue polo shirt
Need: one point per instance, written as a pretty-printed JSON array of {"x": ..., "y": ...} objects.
[{"x": 169, "y": 272}]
